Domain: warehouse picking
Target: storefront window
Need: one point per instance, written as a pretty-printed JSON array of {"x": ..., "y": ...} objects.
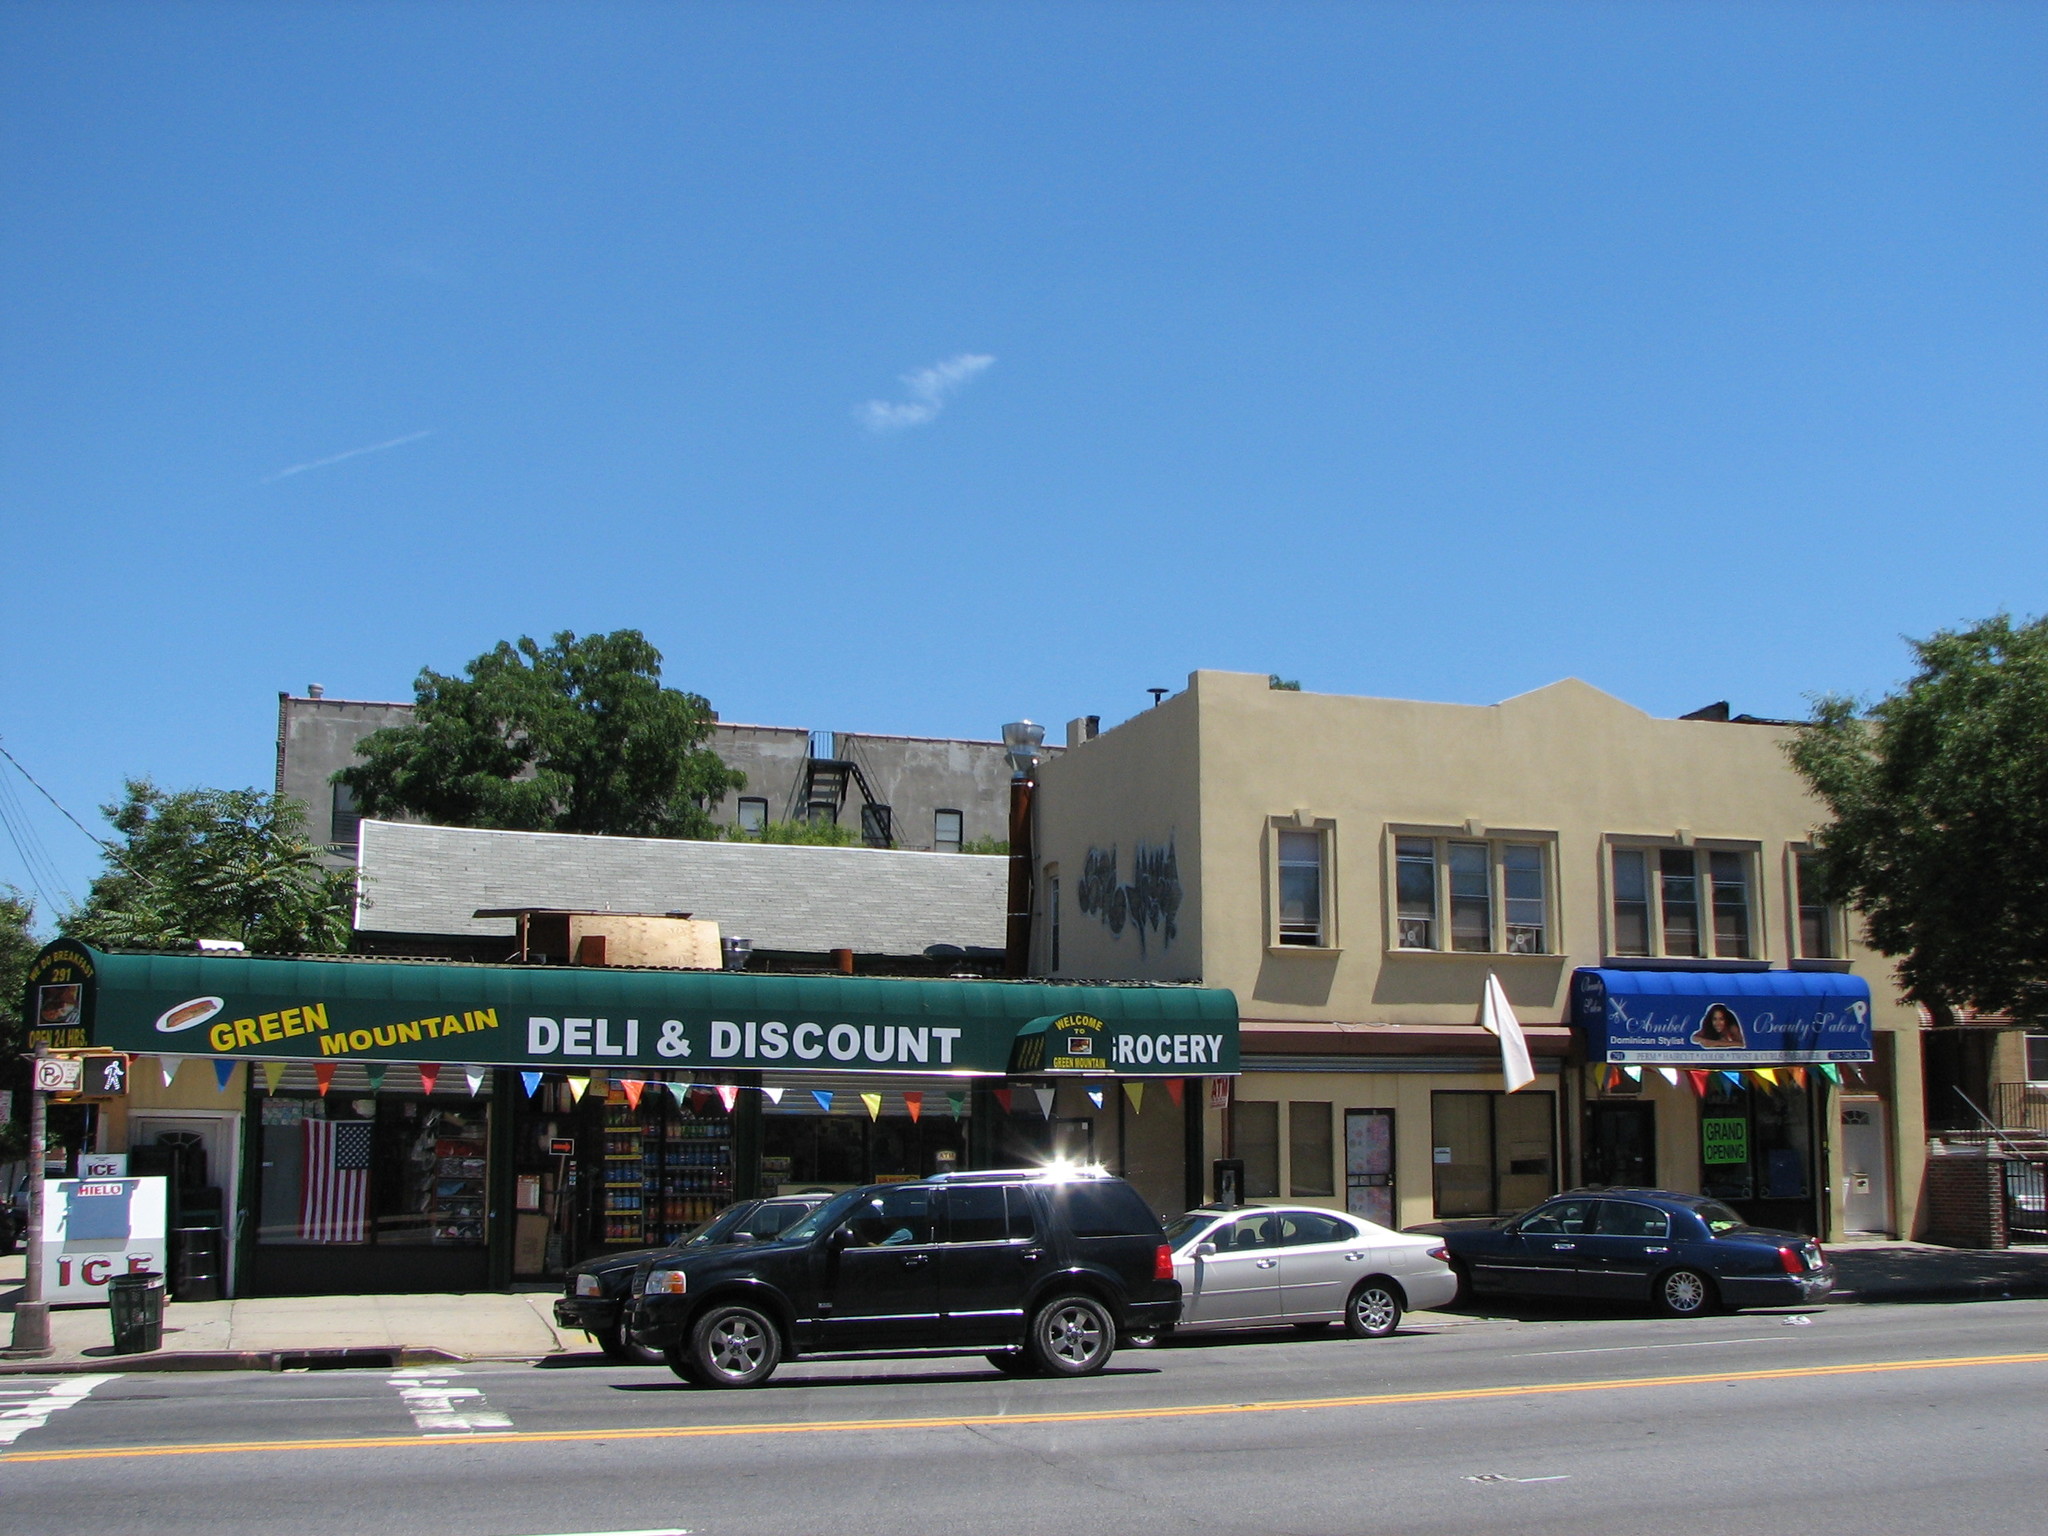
[
  {"x": 1255, "y": 1137},
  {"x": 825, "y": 1137},
  {"x": 1492, "y": 1153},
  {"x": 1756, "y": 1146},
  {"x": 388, "y": 1170}
]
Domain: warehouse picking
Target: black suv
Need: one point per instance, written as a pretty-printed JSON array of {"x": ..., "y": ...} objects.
[
  {"x": 1043, "y": 1271},
  {"x": 596, "y": 1290}
]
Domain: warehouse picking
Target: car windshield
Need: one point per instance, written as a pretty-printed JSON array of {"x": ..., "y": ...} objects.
[
  {"x": 1718, "y": 1217},
  {"x": 1181, "y": 1228},
  {"x": 720, "y": 1228},
  {"x": 823, "y": 1219}
]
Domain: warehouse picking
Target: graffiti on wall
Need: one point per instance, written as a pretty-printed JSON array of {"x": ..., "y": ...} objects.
[{"x": 1149, "y": 904}]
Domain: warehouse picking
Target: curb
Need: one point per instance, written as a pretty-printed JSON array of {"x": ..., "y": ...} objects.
[
  {"x": 357, "y": 1359},
  {"x": 1972, "y": 1290}
]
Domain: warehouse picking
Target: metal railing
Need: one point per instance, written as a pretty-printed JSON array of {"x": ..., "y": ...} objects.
[
  {"x": 2021, "y": 1106},
  {"x": 2026, "y": 1199}
]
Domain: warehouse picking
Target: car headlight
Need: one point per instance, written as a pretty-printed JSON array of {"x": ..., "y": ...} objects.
[
  {"x": 667, "y": 1282},
  {"x": 589, "y": 1285}
]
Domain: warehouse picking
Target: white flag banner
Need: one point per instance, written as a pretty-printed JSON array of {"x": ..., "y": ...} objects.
[
  {"x": 1669, "y": 1074},
  {"x": 1498, "y": 1019},
  {"x": 774, "y": 1095},
  {"x": 1044, "y": 1097}
]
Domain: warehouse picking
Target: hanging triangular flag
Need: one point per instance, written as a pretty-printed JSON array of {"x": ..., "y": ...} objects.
[
  {"x": 1176, "y": 1090},
  {"x": 824, "y": 1098},
  {"x": 429, "y": 1074},
  {"x": 223, "y": 1072},
  {"x": 680, "y": 1092},
  {"x": 474, "y": 1076},
  {"x": 1769, "y": 1075},
  {"x": 1633, "y": 1074},
  {"x": 632, "y": 1087},
  {"x": 375, "y": 1073},
  {"x": 1095, "y": 1097},
  {"x": 579, "y": 1084},
  {"x": 874, "y": 1104},
  {"x": 774, "y": 1095},
  {"x": 1134, "y": 1090},
  {"x": 323, "y": 1076},
  {"x": 169, "y": 1066},
  {"x": 1831, "y": 1072},
  {"x": 1698, "y": 1081},
  {"x": 1003, "y": 1096},
  {"x": 273, "y": 1074},
  {"x": 530, "y": 1081},
  {"x": 914, "y": 1102},
  {"x": 700, "y": 1098},
  {"x": 1498, "y": 1019},
  {"x": 1670, "y": 1075},
  {"x": 728, "y": 1095},
  {"x": 1798, "y": 1075},
  {"x": 957, "y": 1102},
  {"x": 1610, "y": 1081},
  {"x": 1044, "y": 1097},
  {"x": 1733, "y": 1077}
]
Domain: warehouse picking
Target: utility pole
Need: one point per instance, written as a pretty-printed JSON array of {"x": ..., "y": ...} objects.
[{"x": 32, "y": 1313}]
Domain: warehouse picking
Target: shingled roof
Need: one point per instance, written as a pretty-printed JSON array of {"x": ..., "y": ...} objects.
[{"x": 432, "y": 880}]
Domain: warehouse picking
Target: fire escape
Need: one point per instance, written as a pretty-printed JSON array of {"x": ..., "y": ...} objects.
[{"x": 821, "y": 792}]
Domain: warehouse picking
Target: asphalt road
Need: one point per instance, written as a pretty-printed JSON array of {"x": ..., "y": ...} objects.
[{"x": 1845, "y": 1419}]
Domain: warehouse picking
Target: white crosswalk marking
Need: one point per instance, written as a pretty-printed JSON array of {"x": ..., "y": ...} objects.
[
  {"x": 442, "y": 1409},
  {"x": 36, "y": 1404}
]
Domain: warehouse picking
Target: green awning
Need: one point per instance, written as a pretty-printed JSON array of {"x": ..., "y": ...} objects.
[{"x": 579, "y": 1018}]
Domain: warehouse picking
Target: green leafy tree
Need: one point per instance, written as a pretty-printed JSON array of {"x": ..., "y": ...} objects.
[
  {"x": 575, "y": 736},
  {"x": 214, "y": 864},
  {"x": 810, "y": 834},
  {"x": 17, "y": 947},
  {"x": 1939, "y": 795}
]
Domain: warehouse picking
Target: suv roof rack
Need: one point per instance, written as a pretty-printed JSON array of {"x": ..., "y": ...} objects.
[{"x": 1056, "y": 1171}]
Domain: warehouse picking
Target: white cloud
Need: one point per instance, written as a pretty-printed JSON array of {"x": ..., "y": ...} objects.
[
  {"x": 928, "y": 389},
  {"x": 336, "y": 458}
]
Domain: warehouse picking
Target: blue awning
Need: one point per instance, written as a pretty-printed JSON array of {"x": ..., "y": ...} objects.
[{"x": 1722, "y": 1018}]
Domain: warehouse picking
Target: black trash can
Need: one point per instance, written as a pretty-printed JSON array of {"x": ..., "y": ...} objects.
[
  {"x": 136, "y": 1305},
  {"x": 195, "y": 1264}
]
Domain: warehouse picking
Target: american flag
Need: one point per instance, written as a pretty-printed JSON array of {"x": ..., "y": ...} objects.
[{"x": 337, "y": 1181}]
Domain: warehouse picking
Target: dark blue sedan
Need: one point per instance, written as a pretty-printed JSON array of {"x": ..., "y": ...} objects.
[{"x": 1685, "y": 1253}]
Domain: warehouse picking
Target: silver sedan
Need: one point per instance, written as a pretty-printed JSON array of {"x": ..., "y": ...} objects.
[{"x": 1265, "y": 1266}]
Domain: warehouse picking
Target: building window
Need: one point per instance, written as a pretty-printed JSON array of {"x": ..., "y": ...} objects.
[
  {"x": 946, "y": 831},
  {"x": 1816, "y": 914},
  {"x": 1492, "y": 1153},
  {"x": 875, "y": 828},
  {"x": 1255, "y": 1138},
  {"x": 1052, "y": 922},
  {"x": 1311, "y": 1163},
  {"x": 345, "y": 822},
  {"x": 753, "y": 815},
  {"x": 2037, "y": 1058},
  {"x": 1497, "y": 895},
  {"x": 1301, "y": 887},
  {"x": 1659, "y": 904}
]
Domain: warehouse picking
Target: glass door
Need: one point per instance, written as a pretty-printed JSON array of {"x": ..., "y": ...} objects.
[{"x": 1369, "y": 1164}]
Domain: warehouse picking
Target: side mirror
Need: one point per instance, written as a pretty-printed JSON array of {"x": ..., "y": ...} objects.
[
  {"x": 1205, "y": 1250},
  {"x": 741, "y": 1237}
]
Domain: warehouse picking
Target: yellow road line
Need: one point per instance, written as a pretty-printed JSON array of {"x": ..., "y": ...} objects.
[{"x": 1006, "y": 1420}]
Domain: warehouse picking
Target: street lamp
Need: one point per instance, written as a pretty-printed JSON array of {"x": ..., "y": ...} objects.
[{"x": 1021, "y": 740}]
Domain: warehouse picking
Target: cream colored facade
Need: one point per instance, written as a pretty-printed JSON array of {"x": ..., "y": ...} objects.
[{"x": 1160, "y": 845}]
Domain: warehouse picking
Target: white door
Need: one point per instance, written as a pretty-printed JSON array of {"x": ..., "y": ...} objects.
[
  {"x": 1866, "y": 1184},
  {"x": 220, "y": 1136},
  {"x": 1321, "y": 1257}
]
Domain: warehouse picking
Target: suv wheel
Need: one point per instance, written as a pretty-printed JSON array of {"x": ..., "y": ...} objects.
[
  {"x": 679, "y": 1361},
  {"x": 1374, "y": 1310},
  {"x": 734, "y": 1346},
  {"x": 1071, "y": 1336}
]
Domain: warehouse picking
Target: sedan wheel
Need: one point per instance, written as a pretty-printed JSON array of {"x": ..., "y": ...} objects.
[
  {"x": 1072, "y": 1336},
  {"x": 1685, "y": 1293},
  {"x": 1373, "y": 1312},
  {"x": 734, "y": 1346}
]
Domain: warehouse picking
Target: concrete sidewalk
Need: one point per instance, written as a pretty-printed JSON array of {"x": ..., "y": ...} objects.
[
  {"x": 287, "y": 1332},
  {"x": 266, "y": 1333}
]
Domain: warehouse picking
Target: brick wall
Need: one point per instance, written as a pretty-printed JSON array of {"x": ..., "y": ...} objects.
[{"x": 1964, "y": 1202}]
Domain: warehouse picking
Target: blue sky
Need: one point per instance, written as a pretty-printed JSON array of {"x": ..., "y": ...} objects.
[{"x": 916, "y": 367}]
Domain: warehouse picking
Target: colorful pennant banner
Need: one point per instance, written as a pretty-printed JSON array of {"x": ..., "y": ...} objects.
[
  {"x": 375, "y": 1071},
  {"x": 914, "y": 1102},
  {"x": 824, "y": 1098},
  {"x": 223, "y": 1073},
  {"x": 273, "y": 1074},
  {"x": 530, "y": 1081},
  {"x": 874, "y": 1104},
  {"x": 323, "y": 1076},
  {"x": 1134, "y": 1090},
  {"x": 429, "y": 1075}
]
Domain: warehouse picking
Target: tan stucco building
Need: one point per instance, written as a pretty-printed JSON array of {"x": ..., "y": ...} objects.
[{"x": 1355, "y": 868}]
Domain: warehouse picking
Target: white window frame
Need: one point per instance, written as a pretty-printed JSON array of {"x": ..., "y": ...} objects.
[
  {"x": 740, "y": 812},
  {"x": 1701, "y": 850},
  {"x": 941, "y": 845},
  {"x": 1325, "y": 829},
  {"x": 1496, "y": 841}
]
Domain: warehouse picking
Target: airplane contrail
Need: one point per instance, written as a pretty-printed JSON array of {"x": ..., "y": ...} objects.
[{"x": 336, "y": 458}]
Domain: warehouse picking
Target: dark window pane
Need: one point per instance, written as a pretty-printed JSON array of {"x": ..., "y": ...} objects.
[
  {"x": 1521, "y": 873},
  {"x": 1311, "y": 1160},
  {"x": 1299, "y": 1228},
  {"x": 1471, "y": 897},
  {"x": 1816, "y": 919},
  {"x": 1255, "y": 1137},
  {"x": 2037, "y": 1058},
  {"x": 1626, "y": 1218},
  {"x": 1631, "y": 902},
  {"x": 1415, "y": 888},
  {"x": 1680, "y": 889},
  {"x": 1730, "y": 872},
  {"x": 1106, "y": 1209},
  {"x": 1301, "y": 888}
]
